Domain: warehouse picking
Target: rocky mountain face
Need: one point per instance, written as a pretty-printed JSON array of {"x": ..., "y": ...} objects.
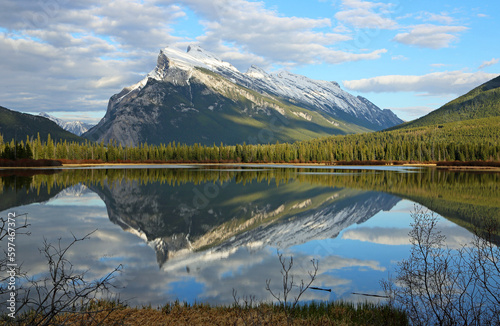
[
  {"x": 194, "y": 96},
  {"x": 75, "y": 127}
]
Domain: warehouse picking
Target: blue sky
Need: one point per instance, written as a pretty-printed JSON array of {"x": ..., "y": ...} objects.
[{"x": 68, "y": 58}]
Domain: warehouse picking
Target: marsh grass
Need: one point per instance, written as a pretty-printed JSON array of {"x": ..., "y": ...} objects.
[{"x": 105, "y": 312}]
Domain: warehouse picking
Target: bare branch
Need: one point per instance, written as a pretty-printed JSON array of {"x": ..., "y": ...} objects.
[
  {"x": 288, "y": 284},
  {"x": 62, "y": 291},
  {"x": 438, "y": 285}
]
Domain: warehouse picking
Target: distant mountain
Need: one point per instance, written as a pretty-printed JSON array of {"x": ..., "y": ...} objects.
[
  {"x": 75, "y": 127},
  {"x": 18, "y": 125},
  {"x": 195, "y": 97},
  {"x": 481, "y": 102}
]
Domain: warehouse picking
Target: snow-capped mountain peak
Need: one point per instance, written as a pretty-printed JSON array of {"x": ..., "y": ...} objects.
[
  {"x": 186, "y": 86},
  {"x": 319, "y": 95},
  {"x": 75, "y": 127},
  {"x": 257, "y": 72},
  {"x": 195, "y": 56},
  {"x": 209, "y": 59}
]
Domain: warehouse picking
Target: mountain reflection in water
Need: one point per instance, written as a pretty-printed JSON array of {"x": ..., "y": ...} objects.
[{"x": 216, "y": 229}]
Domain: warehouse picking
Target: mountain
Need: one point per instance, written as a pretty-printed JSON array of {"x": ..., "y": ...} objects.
[
  {"x": 18, "y": 125},
  {"x": 194, "y": 97},
  {"x": 75, "y": 127},
  {"x": 481, "y": 102}
]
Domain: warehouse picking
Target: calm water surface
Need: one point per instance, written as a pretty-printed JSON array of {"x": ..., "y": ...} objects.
[{"x": 196, "y": 233}]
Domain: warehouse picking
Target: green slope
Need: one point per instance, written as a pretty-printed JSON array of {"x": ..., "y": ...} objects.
[
  {"x": 19, "y": 125},
  {"x": 481, "y": 102}
]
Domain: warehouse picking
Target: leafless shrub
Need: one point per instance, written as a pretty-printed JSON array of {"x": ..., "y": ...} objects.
[
  {"x": 288, "y": 297},
  {"x": 62, "y": 294},
  {"x": 284, "y": 298},
  {"x": 441, "y": 286}
]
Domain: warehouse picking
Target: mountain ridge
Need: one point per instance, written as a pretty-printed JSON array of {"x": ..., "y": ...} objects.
[
  {"x": 195, "y": 97},
  {"x": 75, "y": 127},
  {"x": 18, "y": 125}
]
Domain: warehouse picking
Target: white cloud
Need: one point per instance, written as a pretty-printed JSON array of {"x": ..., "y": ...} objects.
[
  {"x": 438, "y": 65},
  {"x": 492, "y": 62},
  {"x": 365, "y": 14},
  {"x": 399, "y": 57},
  {"x": 411, "y": 112},
  {"x": 52, "y": 78},
  {"x": 442, "y": 18},
  {"x": 73, "y": 55},
  {"x": 242, "y": 268},
  {"x": 246, "y": 32},
  {"x": 430, "y": 36},
  {"x": 438, "y": 83}
]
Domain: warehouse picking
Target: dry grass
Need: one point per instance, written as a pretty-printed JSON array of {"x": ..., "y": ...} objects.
[{"x": 263, "y": 314}]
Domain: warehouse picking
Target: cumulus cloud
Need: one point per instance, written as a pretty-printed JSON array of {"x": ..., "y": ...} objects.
[
  {"x": 411, "y": 112},
  {"x": 430, "y": 36},
  {"x": 366, "y": 14},
  {"x": 438, "y": 83},
  {"x": 53, "y": 78},
  {"x": 246, "y": 32},
  {"x": 73, "y": 55},
  {"x": 442, "y": 18},
  {"x": 399, "y": 57},
  {"x": 492, "y": 62}
]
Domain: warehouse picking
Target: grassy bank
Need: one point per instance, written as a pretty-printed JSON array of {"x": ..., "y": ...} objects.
[{"x": 331, "y": 313}]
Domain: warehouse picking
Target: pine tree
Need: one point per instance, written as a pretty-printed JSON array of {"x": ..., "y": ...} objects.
[
  {"x": 28, "y": 151},
  {"x": 49, "y": 148}
]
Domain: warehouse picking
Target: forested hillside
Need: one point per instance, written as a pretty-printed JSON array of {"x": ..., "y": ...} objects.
[
  {"x": 468, "y": 140},
  {"x": 18, "y": 125},
  {"x": 481, "y": 102}
]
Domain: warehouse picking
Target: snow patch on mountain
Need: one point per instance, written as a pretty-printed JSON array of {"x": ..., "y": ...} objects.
[{"x": 75, "y": 127}]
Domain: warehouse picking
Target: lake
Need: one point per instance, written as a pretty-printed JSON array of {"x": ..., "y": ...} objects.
[{"x": 196, "y": 233}]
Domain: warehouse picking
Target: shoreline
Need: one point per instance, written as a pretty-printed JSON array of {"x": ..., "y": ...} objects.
[{"x": 453, "y": 166}]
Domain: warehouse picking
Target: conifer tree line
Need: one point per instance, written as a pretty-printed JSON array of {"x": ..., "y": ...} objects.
[
  {"x": 15, "y": 150},
  {"x": 468, "y": 143}
]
